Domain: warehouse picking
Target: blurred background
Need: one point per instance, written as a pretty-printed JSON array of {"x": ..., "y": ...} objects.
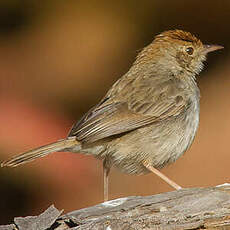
[{"x": 58, "y": 58}]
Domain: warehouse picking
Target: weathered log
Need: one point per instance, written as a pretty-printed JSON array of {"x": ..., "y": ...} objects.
[{"x": 194, "y": 208}]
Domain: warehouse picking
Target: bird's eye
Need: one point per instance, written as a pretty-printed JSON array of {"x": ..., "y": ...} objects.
[{"x": 189, "y": 50}]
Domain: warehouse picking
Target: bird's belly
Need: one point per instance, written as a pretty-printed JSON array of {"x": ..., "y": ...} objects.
[{"x": 159, "y": 144}]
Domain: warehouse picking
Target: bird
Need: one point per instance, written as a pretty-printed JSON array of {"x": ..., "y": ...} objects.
[{"x": 148, "y": 118}]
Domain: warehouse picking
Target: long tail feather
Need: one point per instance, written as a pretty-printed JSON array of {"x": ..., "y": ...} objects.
[{"x": 40, "y": 152}]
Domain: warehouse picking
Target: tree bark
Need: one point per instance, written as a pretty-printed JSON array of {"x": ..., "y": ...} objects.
[{"x": 194, "y": 208}]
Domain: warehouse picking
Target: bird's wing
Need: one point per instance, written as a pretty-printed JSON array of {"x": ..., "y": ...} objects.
[{"x": 111, "y": 117}]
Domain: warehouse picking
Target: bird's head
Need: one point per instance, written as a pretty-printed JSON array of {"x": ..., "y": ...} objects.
[{"x": 176, "y": 52}]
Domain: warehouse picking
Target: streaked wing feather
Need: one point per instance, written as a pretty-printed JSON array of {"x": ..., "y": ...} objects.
[{"x": 108, "y": 119}]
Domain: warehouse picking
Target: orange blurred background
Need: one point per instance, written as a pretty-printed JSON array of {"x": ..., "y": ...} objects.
[{"x": 58, "y": 58}]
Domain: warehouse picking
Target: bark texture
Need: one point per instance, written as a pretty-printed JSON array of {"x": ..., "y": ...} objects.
[{"x": 195, "y": 208}]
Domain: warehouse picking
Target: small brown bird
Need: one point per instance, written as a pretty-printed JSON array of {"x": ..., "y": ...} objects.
[{"x": 148, "y": 118}]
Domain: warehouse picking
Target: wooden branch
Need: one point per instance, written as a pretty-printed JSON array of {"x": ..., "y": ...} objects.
[{"x": 195, "y": 208}]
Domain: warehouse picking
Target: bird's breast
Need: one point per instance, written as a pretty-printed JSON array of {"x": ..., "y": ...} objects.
[{"x": 187, "y": 126}]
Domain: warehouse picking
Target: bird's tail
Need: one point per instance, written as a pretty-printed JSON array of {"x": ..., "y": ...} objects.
[{"x": 40, "y": 152}]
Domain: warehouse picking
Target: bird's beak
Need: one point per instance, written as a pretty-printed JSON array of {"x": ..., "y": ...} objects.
[{"x": 210, "y": 48}]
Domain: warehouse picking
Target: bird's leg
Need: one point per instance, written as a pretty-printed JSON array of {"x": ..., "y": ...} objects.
[
  {"x": 106, "y": 169},
  {"x": 162, "y": 176}
]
